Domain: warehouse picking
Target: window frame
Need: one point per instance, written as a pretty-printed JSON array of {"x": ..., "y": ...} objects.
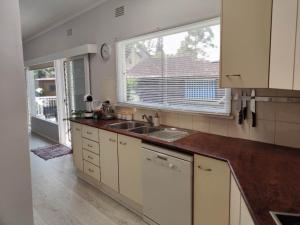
[{"x": 120, "y": 64}]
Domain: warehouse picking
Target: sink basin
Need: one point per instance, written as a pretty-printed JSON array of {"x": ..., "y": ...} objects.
[
  {"x": 165, "y": 134},
  {"x": 286, "y": 218},
  {"x": 145, "y": 130},
  {"x": 126, "y": 125},
  {"x": 169, "y": 134}
]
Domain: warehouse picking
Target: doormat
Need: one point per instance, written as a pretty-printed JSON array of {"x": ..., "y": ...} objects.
[{"x": 52, "y": 151}]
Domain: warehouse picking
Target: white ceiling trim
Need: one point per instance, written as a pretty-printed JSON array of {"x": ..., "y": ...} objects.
[
  {"x": 60, "y": 23},
  {"x": 77, "y": 51}
]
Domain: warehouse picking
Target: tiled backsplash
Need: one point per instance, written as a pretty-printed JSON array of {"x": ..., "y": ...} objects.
[{"x": 277, "y": 123}]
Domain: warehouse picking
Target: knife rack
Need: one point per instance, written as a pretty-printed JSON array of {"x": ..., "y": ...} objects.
[{"x": 269, "y": 99}]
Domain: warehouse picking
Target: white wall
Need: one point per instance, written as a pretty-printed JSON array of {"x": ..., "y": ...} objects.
[
  {"x": 44, "y": 128},
  {"x": 15, "y": 185},
  {"x": 277, "y": 123},
  {"x": 99, "y": 25}
]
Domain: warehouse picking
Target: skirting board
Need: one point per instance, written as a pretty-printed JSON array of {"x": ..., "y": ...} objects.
[
  {"x": 129, "y": 204},
  {"x": 44, "y": 136}
]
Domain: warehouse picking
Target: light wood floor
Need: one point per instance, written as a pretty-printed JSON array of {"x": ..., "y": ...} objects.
[{"x": 60, "y": 198}]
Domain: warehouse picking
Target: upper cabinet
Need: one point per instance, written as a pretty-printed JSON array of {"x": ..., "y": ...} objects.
[
  {"x": 283, "y": 44},
  {"x": 245, "y": 43},
  {"x": 260, "y": 44}
]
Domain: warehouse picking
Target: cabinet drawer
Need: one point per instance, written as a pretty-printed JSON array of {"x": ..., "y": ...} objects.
[
  {"x": 91, "y": 157},
  {"x": 76, "y": 127},
  {"x": 91, "y": 170},
  {"x": 90, "y": 133},
  {"x": 92, "y": 146}
]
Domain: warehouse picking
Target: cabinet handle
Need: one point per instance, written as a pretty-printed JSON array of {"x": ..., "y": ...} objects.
[
  {"x": 162, "y": 157},
  {"x": 233, "y": 75},
  {"x": 89, "y": 132},
  {"x": 89, "y": 157},
  {"x": 90, "y": 146},
  {"x": 204, "y": 169},
  {"x": 91, "y": 170},
  {"x": 112, "y": 140},
  {"x": 123, "y": 143}
]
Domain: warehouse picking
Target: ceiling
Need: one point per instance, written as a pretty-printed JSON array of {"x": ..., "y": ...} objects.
[{"x": 40, "y": 15}]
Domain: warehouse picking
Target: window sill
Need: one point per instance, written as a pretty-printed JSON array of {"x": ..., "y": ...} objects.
[{"x": 189, "y": 112}]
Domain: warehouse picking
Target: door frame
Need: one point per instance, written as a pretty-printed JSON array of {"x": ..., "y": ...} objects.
[{"x": 61, "y": 95}]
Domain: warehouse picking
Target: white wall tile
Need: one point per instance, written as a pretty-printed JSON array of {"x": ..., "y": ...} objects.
[
  {"x": 219, "y": 126},
  {"x": 287, "y": 134},
  {"x": 263, "y": 132},
  {"x": 201, "y": 123}
]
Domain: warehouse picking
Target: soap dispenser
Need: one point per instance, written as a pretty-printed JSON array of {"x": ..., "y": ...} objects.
[{"x": 156, "y": 120}]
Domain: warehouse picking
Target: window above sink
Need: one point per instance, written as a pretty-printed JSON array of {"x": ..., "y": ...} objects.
[{"x": 175, "y": 69}]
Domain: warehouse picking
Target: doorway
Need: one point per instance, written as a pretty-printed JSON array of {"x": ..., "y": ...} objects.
[{"x": 55, "y": 92}]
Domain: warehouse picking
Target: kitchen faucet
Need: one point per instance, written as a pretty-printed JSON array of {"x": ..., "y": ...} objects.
[{"x": 148, "y": 118}]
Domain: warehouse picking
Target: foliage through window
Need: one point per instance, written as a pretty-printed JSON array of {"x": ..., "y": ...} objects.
[{"x": 176, "y": 69}]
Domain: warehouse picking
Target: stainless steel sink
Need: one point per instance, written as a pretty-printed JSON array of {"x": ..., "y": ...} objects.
[
  {"x": 165, "y": 134},
  {"x": 126, "y": 125},
  {"x": 169, "y": 134},
  {"x": 286, "y": 218},
  {"x": 161, "y": 133},
  {"x": 145, "y": 130}
]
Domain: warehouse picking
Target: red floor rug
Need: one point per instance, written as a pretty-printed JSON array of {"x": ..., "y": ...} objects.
[{"x": 52, "y": 151}]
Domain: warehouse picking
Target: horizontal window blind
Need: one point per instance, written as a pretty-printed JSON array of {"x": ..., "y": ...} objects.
[{"x": 176, "y": 69}]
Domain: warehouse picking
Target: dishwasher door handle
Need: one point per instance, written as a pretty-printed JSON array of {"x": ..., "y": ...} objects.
[{"x": 162, "y": 157}]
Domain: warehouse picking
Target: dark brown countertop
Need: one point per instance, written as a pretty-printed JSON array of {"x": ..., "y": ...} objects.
[{"x": 268, "y": 175}]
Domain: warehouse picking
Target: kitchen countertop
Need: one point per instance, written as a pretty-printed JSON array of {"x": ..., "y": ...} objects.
[{"x": 268, "y": 175}]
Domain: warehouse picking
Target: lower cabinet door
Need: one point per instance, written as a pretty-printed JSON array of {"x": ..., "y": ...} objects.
[
  {"x": 235, "y": 203},
  {"x": 129, "y": 150},
  {"x": 91, "y": 170},
  {"x": 109, "y": 159},
  {"x": 246, "y": 218},
  {"x": 211, "y": 191},
  {"x": 77, "y": 145}
]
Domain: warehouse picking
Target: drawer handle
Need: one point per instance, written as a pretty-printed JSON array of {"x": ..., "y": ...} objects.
[
  {"x": 112, "y": 140},
  {"x": 233, "y": 75},
  {"x": 89, "y": 132},
  {"x": 92, "y": 171},
  {"x": 77, "y": 129},
  {"x": 162, "y": 157},
  {"x": 89, "y": 157},
  {"x": 90, "y": 146},
  {"x": 123, "y": 143},
  {"x": 204, "y": 169}
]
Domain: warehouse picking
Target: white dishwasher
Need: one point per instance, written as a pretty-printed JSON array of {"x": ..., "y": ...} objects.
[{"x": 167, "y": 186}]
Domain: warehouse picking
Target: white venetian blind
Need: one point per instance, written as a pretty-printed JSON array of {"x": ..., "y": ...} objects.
[{"x": 176, "y": 69}]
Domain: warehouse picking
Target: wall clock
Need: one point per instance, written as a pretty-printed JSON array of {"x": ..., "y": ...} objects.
[{"x": 105, "y": 51}]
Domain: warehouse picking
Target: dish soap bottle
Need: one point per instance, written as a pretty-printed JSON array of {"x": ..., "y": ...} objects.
[{"x": 156, "y": 120}]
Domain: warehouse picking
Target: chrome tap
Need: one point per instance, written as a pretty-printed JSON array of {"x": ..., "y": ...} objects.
[{"x": 148, "y": 118}]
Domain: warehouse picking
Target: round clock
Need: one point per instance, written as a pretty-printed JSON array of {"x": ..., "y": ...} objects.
[{"x": 105, "y": 51}]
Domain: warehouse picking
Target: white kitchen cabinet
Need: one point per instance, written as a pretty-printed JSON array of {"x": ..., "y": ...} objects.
[
  {"x": 235, "y": 202},
  {"x": 211, "y": 191},
  {"x": 129, "y": 150},
  {"x": 91, "y": 170},
  {"x": 284, "y": 28},
  {"x": 239, "y": 213},
  {"x": 90, "y": 133},
  {"x": 77, "y": 145},
  {"x": 109, "y": 159},
  {"x": 245, "y": 43},
  {"x": 246, "y": 218}
]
